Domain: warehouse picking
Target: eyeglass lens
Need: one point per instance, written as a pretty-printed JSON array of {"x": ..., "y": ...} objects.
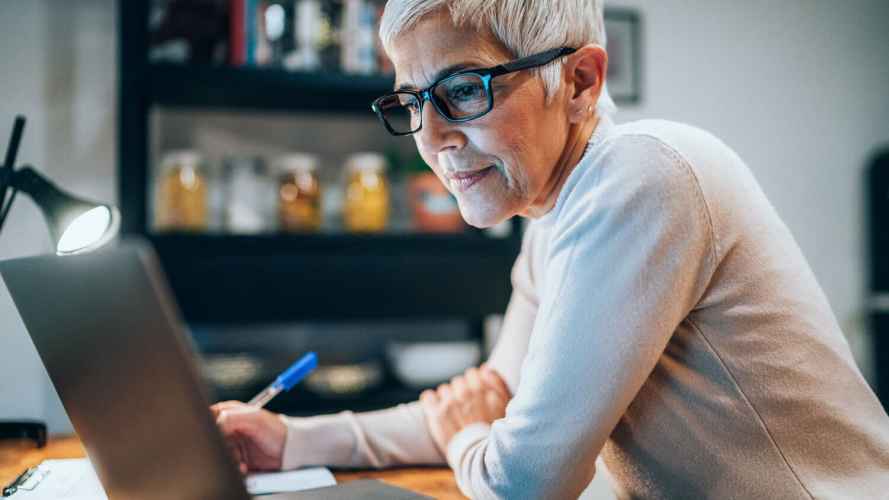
[
  {"x": 460, "y": 97},
  {"x": 401, "y": 112}
]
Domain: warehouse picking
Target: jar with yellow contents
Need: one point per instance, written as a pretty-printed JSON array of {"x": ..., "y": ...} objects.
[
  {"x": 366, "y": 204},
  {"x": 299, "y": 193},
  {"x": 181, "y": 193}
]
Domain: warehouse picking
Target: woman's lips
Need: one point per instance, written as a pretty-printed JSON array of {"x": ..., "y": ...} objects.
[{"x": 465, "y": 180}]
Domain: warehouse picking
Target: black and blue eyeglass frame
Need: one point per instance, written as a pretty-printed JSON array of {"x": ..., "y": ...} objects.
[{"x": 459, "y": 97}]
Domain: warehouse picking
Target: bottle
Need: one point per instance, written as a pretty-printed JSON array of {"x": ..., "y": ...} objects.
[
  {"x": 299, "y": 193},
  {"x": 308, "y": 32},
  {"x": 366, "y": 207},
  {"x": 249, "y": 195},
  {"x": 358, "y": 38},
  {"x": 181, "y": 193}
]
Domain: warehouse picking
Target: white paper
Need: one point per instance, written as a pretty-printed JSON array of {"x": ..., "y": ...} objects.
[
  {"x": 295, "y": 480},
  {"x": 75, "y": 479},
  {"x": 70, "y": 479}
]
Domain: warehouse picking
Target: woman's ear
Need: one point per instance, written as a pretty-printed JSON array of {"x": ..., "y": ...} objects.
[{"x": 586, "y": 71}]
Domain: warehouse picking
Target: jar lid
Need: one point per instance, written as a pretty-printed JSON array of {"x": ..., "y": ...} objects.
[
  {"x": 296, "y": 163},
  {"x": 182, "y": 158},
  {"x": 366, "y": 162},
  {"x": 253, "y": 163}
]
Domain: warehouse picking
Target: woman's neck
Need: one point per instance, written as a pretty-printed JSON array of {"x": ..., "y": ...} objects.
[{"x": 578, "y": 137}]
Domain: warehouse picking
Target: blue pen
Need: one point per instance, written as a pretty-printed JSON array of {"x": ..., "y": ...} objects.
[{"x": 297, "y": 371}]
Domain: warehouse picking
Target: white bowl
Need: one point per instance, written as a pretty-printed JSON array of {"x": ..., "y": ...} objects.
[
  {"x": 426, "y": 364},
  {"x": 346, "y": 379}
]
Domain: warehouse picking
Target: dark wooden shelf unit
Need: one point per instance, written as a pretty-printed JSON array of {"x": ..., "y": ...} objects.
[
  {"x": 225, "y": 279},
  {"x": 203, "y": 87}
]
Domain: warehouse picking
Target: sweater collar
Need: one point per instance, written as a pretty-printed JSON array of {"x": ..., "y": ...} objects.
[{"x": 603, "y": 129}]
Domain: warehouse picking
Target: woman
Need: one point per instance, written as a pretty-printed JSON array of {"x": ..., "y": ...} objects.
[{"x": 662, "y": 317}]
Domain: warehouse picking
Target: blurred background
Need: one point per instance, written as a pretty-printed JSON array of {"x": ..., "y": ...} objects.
[{"x": 237, "y": 136}]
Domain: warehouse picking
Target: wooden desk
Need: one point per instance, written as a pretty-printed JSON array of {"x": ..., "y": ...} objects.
[{"x": 437, "y": 482}]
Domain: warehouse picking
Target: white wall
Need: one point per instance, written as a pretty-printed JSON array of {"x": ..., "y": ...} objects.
[
  {"x": 800, "y": 88},
  {"x": 57, "y": 61}
]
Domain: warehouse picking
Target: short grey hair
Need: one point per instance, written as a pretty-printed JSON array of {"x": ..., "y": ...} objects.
[{"x": 523, "y": 27}]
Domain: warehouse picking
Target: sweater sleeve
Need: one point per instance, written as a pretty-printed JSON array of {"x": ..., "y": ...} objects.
[
  {"x": 631, "y": 252},
  {"x": 512, "y": 343},
  {"x": 384, "y": 438},
  {"x": 399, "y": 435}
]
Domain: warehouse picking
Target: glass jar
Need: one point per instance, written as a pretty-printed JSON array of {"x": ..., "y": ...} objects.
[
  {"x": 181, "y": 193},
  {"x": 248, "y": 195},
  {"x": 366, "y": 207},
  {"x": 299, "y": 193}
]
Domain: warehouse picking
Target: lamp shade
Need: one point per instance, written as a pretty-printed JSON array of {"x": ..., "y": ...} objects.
[{"x": 75, "y": 225}]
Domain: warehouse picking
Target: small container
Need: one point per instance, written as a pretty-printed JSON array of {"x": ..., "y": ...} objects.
[
  {"x": 358, "y": 36},
  {"x": 346, "y": 380},
  {"x": 308, "y": 36},
  {"x": 181, "y": 193},
  {"x": 248, "y": 195},
  {"x": 274, "y": 23},
  {"x": 366, "y": 207},
  {"x": 434, "y": 208},
  {"x": 299, "y": 193}
]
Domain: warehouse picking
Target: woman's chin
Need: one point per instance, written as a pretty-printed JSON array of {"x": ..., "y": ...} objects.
[{"x": 482, "y": 217}]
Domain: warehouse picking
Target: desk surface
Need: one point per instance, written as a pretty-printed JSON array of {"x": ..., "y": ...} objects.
[{"x": 437, "y": 482}]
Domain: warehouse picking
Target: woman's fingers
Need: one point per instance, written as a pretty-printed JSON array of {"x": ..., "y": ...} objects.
[
  {"x": 493, "y": 380},
  {"x": 429, "y": 400},
  {"x": 460, "y": 388},
  {"x": 235, "y": 420},
  {"x": 244, "y": 463},
  {"x": 445, "y": 393},
  {"x": 474, "y": 380},
  {"x": 236, "y": 452},
  {"x": 218, "y": 408}
]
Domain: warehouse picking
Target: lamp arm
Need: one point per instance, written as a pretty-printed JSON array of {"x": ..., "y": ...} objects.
[
  {"x": 6, "y": 170},
  {"x": 6, "y": 184}
]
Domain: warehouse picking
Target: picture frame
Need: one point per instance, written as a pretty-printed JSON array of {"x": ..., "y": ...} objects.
[{"x": 623, "y": 29}]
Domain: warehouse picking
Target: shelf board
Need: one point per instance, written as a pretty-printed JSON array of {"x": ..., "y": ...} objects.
[
  {"x": 267, "y": 89},
  {"x": 244, "y": 279},
  {"x": 266, "y": 245}
]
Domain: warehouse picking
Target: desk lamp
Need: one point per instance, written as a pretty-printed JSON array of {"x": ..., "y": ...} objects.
[{"x": 75, "y": 225}]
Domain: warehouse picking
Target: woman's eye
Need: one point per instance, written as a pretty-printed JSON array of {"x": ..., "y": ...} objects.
[{"x": 465, "y": 92}]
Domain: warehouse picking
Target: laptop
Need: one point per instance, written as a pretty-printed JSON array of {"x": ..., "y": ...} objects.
[{"x": 110, "y": 337}]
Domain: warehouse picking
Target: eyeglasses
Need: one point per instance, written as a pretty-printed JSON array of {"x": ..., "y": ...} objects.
[{"x": 460, "y": 97}]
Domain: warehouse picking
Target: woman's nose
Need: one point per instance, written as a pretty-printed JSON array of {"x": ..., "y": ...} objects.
[{"x": 438, "y": 134}]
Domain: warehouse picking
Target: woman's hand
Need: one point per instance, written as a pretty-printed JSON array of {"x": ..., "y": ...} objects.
[
  {"x": 479, "y": 395},
  {"x": 255, "y": 437}
]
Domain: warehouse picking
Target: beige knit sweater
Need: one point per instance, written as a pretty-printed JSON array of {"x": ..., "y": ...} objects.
[{"x": 663, "y": 319}]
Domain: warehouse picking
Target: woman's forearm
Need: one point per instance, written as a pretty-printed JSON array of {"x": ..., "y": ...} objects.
[{"x": 384, "y": 438}]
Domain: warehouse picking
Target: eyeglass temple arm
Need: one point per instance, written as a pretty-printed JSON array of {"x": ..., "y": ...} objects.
[{"x": 532, "y": 61}]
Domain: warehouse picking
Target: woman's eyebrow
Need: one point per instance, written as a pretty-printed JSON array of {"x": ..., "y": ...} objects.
[{"x": 440, "y": 74}]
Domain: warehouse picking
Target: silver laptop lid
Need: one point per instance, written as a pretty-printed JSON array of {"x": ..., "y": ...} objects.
[{"x": 109, "y": 334}]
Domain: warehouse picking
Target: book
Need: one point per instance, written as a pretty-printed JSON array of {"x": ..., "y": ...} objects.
[{"x": 237, "y": 36}]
